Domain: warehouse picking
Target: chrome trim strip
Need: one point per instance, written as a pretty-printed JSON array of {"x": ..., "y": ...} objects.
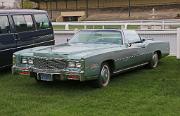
[
  {"x": 26, "y": 46},
  {"x": 6, "y": 49},
  {"x": 130, "y": 68},
  {"x": 35, "y": 44},
  {"x": 119, "y": 59}
]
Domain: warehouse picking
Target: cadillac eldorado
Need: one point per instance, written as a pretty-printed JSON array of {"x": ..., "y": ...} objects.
[{"x": 90, "y": 55}]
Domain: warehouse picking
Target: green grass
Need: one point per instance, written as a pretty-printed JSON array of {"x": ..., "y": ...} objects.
[
  {"x": 133, "y": 27},
  {"x": 142, "y": 92},
  {"x": 59, "y": 27}
]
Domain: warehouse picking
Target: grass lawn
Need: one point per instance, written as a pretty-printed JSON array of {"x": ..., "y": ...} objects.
[{"x": 145, "y": 92}]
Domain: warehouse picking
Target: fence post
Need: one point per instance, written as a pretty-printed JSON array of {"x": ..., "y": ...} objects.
[
  {"x": 163, "y": 25},
  {"x": 103, "y": 27},
  {"x": 125, "y": 26},
  {"x": 178, "y": 43},
  {"x": 66, "y": 27},
  {"x": 85, "y": 26}
]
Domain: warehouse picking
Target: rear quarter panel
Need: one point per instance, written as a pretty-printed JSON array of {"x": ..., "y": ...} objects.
[{"x": 163, "y": 47}]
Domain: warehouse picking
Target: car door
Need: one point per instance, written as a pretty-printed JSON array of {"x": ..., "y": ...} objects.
[
  {"x": 7, "y": 42},
  {"x": 131, "y": 55},
  {"x": 142, "y": 53},
  {"x": 24, "y": 30},
  {"x": 126, "y": 57},
  {"x": 135, "y": 43}
]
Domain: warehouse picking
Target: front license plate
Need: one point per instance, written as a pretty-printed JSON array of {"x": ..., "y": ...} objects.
[{"x": 46, "y": 77}]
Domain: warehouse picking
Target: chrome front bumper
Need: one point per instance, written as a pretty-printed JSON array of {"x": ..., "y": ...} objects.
[{"x": 58, "y": 74}]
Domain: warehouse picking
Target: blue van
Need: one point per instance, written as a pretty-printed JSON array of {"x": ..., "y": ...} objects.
[{"x": 20, "y": 29}]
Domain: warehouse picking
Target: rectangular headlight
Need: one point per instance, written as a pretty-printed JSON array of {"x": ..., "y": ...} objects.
[
  {"x": 71, "y": 64},
  {"x": 24, "y": 60},
  {"x": 78, "y": 65},
  {"x": 74, "y": 64}
]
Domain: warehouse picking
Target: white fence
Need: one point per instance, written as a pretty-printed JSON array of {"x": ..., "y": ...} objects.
[
  {"x": 158, "y": 30},
  {"x": 128, "y": 24}
]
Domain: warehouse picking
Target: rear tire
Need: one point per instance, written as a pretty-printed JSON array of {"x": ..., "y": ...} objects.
[
  {"x": 154, "y": 61},
  {"x": 104, "y": 76}
]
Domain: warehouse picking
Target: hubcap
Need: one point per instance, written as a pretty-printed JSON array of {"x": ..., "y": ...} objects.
[
  {"x": 105, "y": 75},
  {"x": 155, "y": 60}
]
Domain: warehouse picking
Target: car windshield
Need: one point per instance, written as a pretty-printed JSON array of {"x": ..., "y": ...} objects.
[{"x": 97, "y": 37}]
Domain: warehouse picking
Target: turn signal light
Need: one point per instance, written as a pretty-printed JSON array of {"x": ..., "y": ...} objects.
[{"x": 73, "y": 77}]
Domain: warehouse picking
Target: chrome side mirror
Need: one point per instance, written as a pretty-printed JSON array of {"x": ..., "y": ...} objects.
[{"x": 128, "y": 44}]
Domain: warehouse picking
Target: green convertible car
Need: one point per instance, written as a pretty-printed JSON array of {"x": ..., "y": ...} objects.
[{"x": 90, "y": 55}]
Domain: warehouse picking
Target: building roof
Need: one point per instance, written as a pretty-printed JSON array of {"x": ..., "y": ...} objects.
[{"x": 21, "y": 11}]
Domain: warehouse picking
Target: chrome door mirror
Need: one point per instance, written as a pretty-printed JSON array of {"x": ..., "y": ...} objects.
[{"x": 128, "y": 44}]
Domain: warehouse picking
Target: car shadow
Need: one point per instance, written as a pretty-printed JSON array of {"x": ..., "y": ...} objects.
[
  {"x": 65, "y": 85},
  {"x": 88, "y": 85}
]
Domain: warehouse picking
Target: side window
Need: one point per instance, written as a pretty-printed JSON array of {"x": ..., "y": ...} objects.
[
  {"x": 4, "y": 25},
  {"x": 23, "y": 23},
  {"x": 131, "y": 36},
  {"x": 42, "y": 21},
  {"x": 29, "y": 22}
]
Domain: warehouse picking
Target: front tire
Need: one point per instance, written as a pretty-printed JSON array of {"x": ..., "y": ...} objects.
[
  {"x": 104, "y": 76},
  {"x": 154, "y": 61}
]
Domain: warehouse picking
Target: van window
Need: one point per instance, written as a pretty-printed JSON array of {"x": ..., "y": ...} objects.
[
  {"x": 42, "y": 21},
  {"x": 23, "y": 23},
  {"x": 4, "y": 25}
]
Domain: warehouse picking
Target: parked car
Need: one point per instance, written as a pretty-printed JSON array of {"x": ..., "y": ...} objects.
[
  {"x": 90, "y": 55},
  {"x": 20, "y": 29}
]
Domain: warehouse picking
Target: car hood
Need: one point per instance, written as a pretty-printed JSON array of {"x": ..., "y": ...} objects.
[
  {"x": 29, "y": 52},
  {"x": 73, "y": 50}
]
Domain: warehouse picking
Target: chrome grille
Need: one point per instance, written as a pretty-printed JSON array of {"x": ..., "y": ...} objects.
[{"x": 43, "y": 63}]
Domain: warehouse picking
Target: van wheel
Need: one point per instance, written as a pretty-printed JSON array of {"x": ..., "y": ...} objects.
[
  {"x": 104, "y": 76},
  {"x": 154, "y": 61}
]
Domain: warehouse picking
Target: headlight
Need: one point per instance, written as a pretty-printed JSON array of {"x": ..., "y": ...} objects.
[
  {"x": 27, "y": 61},
  {"x": 30, "y": 61},
  {"x": 24, "y": 60},
  {"x": 78, "y": 65},
  {"x": 71, "y": 64}
]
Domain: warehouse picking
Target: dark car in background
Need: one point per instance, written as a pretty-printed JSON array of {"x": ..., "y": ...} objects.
[{"x": 20, "y": 29}]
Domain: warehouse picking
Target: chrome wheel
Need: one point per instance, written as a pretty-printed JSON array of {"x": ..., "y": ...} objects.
[
  {"x": 104, "y": 75},
  {"x": 154, "y": 61}
]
